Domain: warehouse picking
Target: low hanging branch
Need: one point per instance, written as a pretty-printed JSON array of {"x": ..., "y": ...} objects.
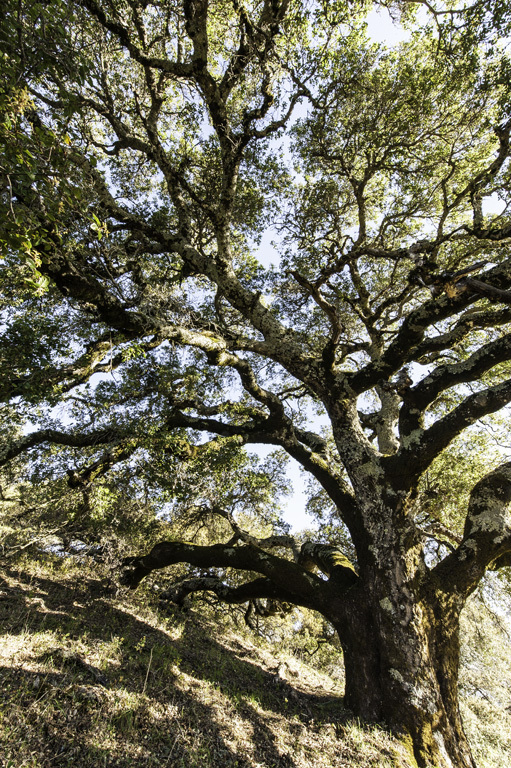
[
  {"x": 258, "y": 589},
  {"x": 284, "y": 580}
]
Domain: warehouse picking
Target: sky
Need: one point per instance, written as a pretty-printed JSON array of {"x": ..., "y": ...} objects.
[{"x": 383, "y": 30}]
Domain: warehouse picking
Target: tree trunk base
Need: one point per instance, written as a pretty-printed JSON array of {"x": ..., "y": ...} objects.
[{"x": 406, "y": 679}]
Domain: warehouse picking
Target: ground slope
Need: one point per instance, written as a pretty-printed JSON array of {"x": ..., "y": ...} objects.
[{"x": 94, "y": 678}]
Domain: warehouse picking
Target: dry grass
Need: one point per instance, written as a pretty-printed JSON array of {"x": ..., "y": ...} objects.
[
  {"x": 97, "y": 680},
  {"x": 93, "y": 680}
]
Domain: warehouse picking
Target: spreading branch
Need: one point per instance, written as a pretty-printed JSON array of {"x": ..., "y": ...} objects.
[{"x": 486, "y": 537}]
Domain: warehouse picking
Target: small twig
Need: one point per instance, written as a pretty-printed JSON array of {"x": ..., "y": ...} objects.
[
  {"x": 321, "y": 641},
  {"x": 148, "y": 670}
]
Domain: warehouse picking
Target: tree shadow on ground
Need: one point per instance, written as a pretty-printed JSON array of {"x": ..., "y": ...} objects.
[{"x": 195, "y": 691}]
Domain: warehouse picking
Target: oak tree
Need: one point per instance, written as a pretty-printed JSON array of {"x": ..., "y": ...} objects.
[{"x": 149, "y": 147}]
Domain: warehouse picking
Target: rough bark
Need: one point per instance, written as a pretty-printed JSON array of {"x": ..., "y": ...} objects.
[{"x": 406, "y": 676}]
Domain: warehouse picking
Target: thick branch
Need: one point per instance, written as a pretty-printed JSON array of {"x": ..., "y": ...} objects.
[
  {"x": 467, "y": 323},
  {"x": 422, "y": 446},
  {"x": 15, "y": 448},
  {"x": 252, "y": 590},
  {"x": 284, "y": 574},
  {"x": 91, "y": 362},
  {"x": 489, "y": 291},
  {"x": 414, "y": 327},
  {"x": 257, "y": 432},
  {"x": 423, "y": 394},
  {"x": 331, "y": 561},
  {"x": 487, "y": 534}
]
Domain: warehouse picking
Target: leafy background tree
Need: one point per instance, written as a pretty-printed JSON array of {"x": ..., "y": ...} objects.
[{"x": 148, "y": 148}]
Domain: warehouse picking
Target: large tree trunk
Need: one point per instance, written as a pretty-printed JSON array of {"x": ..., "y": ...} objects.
[{"x": 402, "y": 669}]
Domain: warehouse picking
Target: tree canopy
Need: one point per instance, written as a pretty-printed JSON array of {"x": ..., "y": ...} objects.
[{"x": 149, "y": 149}]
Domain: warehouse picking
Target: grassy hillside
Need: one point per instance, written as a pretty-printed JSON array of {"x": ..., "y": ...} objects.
[{"x": 94, "y": 679}]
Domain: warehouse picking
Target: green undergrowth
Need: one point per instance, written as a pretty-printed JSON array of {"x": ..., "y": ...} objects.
[{"x": 94, "y": 678}]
